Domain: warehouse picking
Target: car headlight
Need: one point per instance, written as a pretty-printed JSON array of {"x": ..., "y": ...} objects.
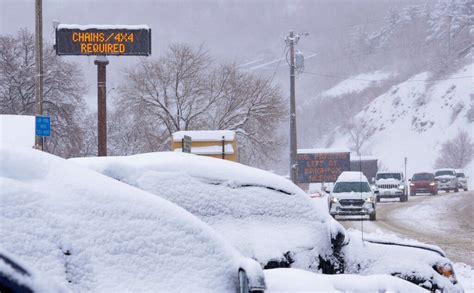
[
  {"x": 334, "y": 200},
  {"x": 432, "y": 184},
  {"x": 401, "y": 187},
  {"x": 447, "y": 271},
  {"x": 412, "y": 184},
  {"x": 370, "y": 199}
]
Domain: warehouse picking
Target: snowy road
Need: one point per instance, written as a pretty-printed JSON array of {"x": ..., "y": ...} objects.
[{"x": 445, "y": 220}]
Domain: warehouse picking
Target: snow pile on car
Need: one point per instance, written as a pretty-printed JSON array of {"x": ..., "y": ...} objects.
[
  {"x": 294, "y": 280},
  {"x": 393, "y": 255},
  {"x": 90, "y": 233},
  {"x": 264, "y": 215}
]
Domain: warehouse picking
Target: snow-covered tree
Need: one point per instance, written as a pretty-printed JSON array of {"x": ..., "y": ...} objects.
[
  {"x": 185, "y": 90},
  {"x": 457, "y": 152},
  {"x": 62, "y": 96}
]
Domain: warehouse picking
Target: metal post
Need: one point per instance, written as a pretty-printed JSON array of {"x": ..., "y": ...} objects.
[
  {"x": 293, "y": 145},
  {"x": 39, "y": 66},
  {"x": 101, "y": 62},
  {"x": 223, "y": 147}
]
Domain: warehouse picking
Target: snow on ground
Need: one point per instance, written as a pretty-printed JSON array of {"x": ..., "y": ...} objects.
[
  {"x": 414, "y": 118},
  {"x": 17, "y": 130},
  {"x": 294, "y": 280},
  {"x": 356, "y": 83},
  {"x": 465, "y": 274},
  {"x": 88, "y": 232}
]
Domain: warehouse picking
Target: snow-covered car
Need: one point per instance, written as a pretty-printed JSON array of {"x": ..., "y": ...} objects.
[
  {"x": 15, "y": 276},
  {"x": 270, "y": 219},
  {"x": 391, "y": 185},
  {"x": 462, "y": 180},
  {"x": 295, "y": 280},
  {"x": 447, "y": 179},
  {"x": 423, "y": 183},
  {"x": 352, "y": 195},
  {"x": 90, "y": 233}
]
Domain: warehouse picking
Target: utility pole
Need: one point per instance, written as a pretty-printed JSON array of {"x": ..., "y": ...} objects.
[
  {"x": 101, "y": 62},
  {"x": 39, "y": 67},
  {"x": 291, "y": 40}
]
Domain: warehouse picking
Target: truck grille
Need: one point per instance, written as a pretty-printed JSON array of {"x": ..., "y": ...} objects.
[
  {"x": 387, "y": 186},
  {"x": 353, "y": 202}
]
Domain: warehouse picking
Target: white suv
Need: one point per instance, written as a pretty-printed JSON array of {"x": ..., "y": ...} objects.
[
  {"x": 390, "y": 185},
  {"x": 352, "y": 195},
  {"x": 462, "y": 180},
  {"x": 447, "y": 180}
]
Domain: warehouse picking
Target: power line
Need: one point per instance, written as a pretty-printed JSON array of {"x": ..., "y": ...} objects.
[
  {"x": 279, "y": 62},
  {"x": 392, "y": 80}
]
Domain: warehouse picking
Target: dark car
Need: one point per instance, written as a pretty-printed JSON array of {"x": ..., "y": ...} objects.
[{"x": 423, "y": 183}]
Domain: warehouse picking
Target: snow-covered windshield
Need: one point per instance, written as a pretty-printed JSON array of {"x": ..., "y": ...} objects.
[
  {"x": 388, "y": 176},
  {"x": 351, "y": 187},
  {"x": 444, "y": 172},
  {"x": 423, "y": 176}
]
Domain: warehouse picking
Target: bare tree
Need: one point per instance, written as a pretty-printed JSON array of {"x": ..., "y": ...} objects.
[
  {"x": 63, "y": 90},
  {"x": 456, "y": 152},
  {"x": 184, "y": 90},
  {"x": 359, "y": 132}
]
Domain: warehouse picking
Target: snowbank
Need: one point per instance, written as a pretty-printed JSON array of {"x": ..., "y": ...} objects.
[
  {"x": 294, "y": 280},
  {"x": 17, "y": 130},
  {"x": 88, "y": 232}
]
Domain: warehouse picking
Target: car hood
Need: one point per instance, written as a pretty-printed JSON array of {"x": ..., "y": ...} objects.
[
  {"x": 352, "y": 195},
  {"x": 388, "y": 181},
  {"x": 446, "y": 177},
  {"x": 422, "y": 182}
]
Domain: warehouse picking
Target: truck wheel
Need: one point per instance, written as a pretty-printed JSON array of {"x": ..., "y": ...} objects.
[
  {"x": 403, "y": 198},
  {"x": 456, "y": 190},
  {"x": 412, "y": 193},
  {"x": 372, "y": 217}
]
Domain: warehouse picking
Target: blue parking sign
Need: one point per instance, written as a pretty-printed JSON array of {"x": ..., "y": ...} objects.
[{"x": 43, "y": 126}]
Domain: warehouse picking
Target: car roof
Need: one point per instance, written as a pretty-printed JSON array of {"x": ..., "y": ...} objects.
[
  {"x": 233, "y": 198},
  {"x": 351, "y": 176}
]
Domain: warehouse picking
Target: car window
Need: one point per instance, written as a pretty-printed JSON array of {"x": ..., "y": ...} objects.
[
  {"x": 444, "y": 172},
  {"x": 419, "y": 177},
  {"x": 389, "y": 176},
  {"x": 351, "y": 187},
  {"x": 461, "y": 175}
]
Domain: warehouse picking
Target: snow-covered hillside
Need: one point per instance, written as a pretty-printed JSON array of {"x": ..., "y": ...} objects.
[{"x": 415, "y": 117}]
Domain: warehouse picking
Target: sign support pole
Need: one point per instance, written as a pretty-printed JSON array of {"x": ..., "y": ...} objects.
[
  {"x": 39, "y": 67},
  {"x": 101, "y": 62}
]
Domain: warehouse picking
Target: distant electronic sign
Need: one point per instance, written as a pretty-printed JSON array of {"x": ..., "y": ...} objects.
[
  {"x": 103, "y": 40},
  {"x": 322, "y": 167}
]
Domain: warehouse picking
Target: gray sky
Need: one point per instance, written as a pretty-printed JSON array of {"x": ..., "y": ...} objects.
[{"x": 232, "y": 30}]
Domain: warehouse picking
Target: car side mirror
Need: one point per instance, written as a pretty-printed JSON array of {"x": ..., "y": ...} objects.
[
  {"x": 436, "y": 180},
  {"x": 376, "y": 191}
]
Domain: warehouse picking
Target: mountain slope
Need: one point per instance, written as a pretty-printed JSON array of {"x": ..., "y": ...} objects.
[{"x": 414, "y": 118}]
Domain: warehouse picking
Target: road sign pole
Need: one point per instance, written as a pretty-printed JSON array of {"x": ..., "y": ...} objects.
[
  {"x": 101, "y": 62},
  {"x": 39, "y": 66}
]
